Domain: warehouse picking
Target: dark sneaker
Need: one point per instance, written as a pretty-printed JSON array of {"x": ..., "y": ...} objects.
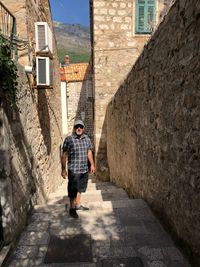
[
  {"x": 72, "y": 213},
  {"x": 81, "y": 207}
]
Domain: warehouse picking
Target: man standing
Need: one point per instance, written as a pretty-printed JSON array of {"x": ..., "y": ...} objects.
[{"x": 77, "y": 151}]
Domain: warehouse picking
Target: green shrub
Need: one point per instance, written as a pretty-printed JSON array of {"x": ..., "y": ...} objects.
[
  {"x": 8, "y": 71},
  {"x": 75, "y": 56}
]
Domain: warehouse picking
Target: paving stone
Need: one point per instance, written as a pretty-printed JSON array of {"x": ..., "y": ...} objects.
[
  {"x": 116, "y": 204},
  {"x": 157, "y": 264},
  {"x": 153, "y": 240},
  {"x": 68, "y": 265},
  {"x": 37, "y": 226},
  {"x": 130, "y": 220},
  {"x": 122, "y": 231},
  {"x": 112, "y": 190},
  {"x": 126, "y": 212},
  {"x": 34, "y": 238},
  {"x": 118, "y": 240},
  {"x": 125, "y": 262},
  {"x": 182, "y": 263},
  {"x": 173, "y": 253},
  {"x": 153, "y": 226},
  {"x": 69, "y": 249},
  {"x": 100, "y": 237},
  {"x": 152, "y": 253},
  {"x": 101, "y": 252},
  {"x": 24, "y": 252},
  {"x": 22, "y": 263},
  {"x": 41, "y": 217},
  {"x": 139, "y": 229},
  {"x": 139, "y": 203},
  {"x": 104, "y": 197}
]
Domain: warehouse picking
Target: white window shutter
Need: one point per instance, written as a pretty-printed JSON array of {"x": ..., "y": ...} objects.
[
  {"x": 43, "y": 37},
  {"x": 44, "y": 71}
]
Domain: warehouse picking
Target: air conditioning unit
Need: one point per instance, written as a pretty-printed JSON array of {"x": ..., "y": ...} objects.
[
  {"x": 44, "y": 71},
  {"x": 43, "y": 37}
]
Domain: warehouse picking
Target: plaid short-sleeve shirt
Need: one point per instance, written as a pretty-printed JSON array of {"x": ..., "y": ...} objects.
[{"x": 77, "y": 151}]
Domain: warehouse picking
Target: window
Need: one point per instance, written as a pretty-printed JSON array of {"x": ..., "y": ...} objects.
[
  {"x": 44, "y": 71},
  {"x": 43, "y": 36},
  {"x": 145, "y": 16},
  {"x": 44, "y": 62}
]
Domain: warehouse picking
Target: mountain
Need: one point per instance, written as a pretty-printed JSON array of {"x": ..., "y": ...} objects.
[{"x": 74, "y": 40}]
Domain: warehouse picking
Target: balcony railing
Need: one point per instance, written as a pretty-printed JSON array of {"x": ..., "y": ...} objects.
[
  {"x": 7, "y": 22},
  {"x": 8, "y": 28}
]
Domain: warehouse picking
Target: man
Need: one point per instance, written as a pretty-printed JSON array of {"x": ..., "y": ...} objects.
[{"x": 77, "y": 151}]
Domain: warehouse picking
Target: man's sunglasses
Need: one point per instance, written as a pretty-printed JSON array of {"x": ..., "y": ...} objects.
[{"x": 79, "y": 126}]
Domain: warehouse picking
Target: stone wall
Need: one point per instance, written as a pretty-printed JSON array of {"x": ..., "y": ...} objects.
[
  {"x": 153, "y": 133},
  {"x": 116, "y": 47},
  {"x": 30, "y": 130},
  {"x": 80, "y": 105}
]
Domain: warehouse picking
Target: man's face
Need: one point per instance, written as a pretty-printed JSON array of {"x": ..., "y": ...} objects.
[{"x": 79, "y": 129}]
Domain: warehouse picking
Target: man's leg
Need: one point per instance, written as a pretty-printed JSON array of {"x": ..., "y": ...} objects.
[
  {"x": 72, "y": 203},
  {"x": 82, "y": 185},
  {"x": 78, "y": 199},
  {"x": 72, "y": 193}
]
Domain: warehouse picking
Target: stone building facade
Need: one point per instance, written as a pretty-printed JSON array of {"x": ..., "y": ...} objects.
[
  {"x": 153, "y": 125},
  {"x": 117, "y": 42},
  {"x": 30, "y": 130},
  {"x": 77, "y": 96}
]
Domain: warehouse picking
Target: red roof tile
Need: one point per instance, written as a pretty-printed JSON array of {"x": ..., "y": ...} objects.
[{"x": 75, "y": 72}]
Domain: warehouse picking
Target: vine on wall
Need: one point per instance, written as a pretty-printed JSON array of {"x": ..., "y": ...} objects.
[{"x": 8, "y": 71}]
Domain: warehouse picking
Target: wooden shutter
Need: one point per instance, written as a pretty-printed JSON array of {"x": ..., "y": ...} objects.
[
  {"x": 140, "y": 16},
  {"x": 151, "y": 13},
  {"x": 145, "y": 15}
]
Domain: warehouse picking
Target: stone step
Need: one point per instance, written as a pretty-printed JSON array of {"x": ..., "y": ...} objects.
[
  {"x": 119, "y": 231},
  {"x": 106, "y": 192},
  {"x": 104, "y": 196},
  {"x": 110, "y": 205},
  {"x": 91, "y": 186},
  {"x": 114, "y": 190}
]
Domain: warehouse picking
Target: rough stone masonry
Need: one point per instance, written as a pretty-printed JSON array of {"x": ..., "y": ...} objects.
[
  {"x": 155, "y": 151},
  {"x": 116, "y": 47},
  {"x": 30, "y": 131}
]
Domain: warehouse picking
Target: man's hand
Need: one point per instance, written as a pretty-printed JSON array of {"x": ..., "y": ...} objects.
[
  {"x": 92, "y": 169},
  {"x": 64, "y": 174},
  {"x": 90, "y": 158},
  {"x": 63, "y": 165}
]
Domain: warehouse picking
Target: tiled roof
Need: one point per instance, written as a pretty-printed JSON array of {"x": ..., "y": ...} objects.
[{"x": 75, "y": 72}]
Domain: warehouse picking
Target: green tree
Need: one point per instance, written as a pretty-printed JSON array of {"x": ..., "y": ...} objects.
[{"x": 75, "y": 56}]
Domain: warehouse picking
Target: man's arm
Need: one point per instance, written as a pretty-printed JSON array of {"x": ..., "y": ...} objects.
[
  {"x": 91, "y": 160},
  {"x": 63, "y": 165}
]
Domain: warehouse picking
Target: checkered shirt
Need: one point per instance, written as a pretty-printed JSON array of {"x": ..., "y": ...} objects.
[{"x": 77, "y": 152}]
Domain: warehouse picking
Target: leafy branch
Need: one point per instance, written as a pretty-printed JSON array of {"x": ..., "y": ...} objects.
[{"x": 8, "y": 71}]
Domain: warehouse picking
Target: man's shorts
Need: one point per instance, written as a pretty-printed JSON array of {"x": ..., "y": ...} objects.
[{"x": 77, "y": 182}]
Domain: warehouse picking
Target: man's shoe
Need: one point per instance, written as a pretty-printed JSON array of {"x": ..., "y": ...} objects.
[
  {"x": 73, "y": 213},
  {"x": 81, "y": 207}
]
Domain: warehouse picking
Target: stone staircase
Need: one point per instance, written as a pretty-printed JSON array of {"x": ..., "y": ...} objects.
[{"x": 115, "y": 232}]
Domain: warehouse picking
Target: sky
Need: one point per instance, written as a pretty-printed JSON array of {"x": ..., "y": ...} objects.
[{"x": 70, "y": 11}]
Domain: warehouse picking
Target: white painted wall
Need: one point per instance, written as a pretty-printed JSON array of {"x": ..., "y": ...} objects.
[{"x": 63, "y": 89}]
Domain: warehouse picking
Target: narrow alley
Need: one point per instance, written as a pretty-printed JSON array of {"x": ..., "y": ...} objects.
[
  {"x": 117, "y": 231},
  {"x": 137, "y": 95}
]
